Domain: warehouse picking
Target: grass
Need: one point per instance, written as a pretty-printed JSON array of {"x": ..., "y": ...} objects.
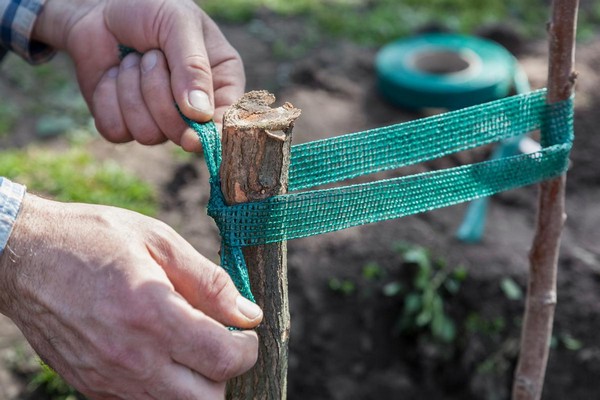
[
  {"x": 75, "y": 176},
  {"x": 375, "y": 22},
  {"x": 8, "y": 118}
]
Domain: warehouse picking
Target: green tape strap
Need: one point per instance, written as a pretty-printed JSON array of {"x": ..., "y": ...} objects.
[
  {"x": 305, "y": 214},
  {"x": 348, "y": 156},
  {"x": 302, "y": 214}
]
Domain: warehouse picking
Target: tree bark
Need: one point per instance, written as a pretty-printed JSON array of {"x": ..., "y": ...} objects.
[
  {"x": 255, "y": 161},
  {"x": 543, "y": 258}
]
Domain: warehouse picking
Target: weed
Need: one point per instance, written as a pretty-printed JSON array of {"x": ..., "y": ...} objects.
[
  {"x": 511, "y": 289},
  {"x": 8, "y": 118},
  {"x": 52, "y": 384},
  {"x": 567, "y": 341},
  {"x": 500, "y": 361},
  {"x": 476, "y": 324},
  {"x": 344, "y": 286},
  {"x": 424, "y": 308},
  {"x": 373, "y": 271}
]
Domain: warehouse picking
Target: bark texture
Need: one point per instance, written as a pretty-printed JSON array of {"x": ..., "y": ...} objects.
[
  {"x": 543, "y": 258},
  {"x": 256, "y": 156}
]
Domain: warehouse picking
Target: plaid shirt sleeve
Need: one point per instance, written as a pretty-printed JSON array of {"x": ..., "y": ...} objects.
[
  {"x": 11, "y": 195},
  {"x": 17, "y": 18}
]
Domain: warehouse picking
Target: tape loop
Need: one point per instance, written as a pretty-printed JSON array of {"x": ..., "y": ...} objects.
[{"x": 444, "y": 70}]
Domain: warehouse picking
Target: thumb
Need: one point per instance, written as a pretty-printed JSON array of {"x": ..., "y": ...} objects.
[
  {"x": 205, "y": 285},
  {"x": 177, "y": 28},
  {"x": 190, "y": 65},
  {"x": 191, "y": 74}
]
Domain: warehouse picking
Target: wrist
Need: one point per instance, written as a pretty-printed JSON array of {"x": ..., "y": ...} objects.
[
  {"x": 10, "y": 258},
  {"x": 56, "y": 19}
]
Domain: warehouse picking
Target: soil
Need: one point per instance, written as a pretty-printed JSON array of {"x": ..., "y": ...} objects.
[{"x": 344, "y": 344}]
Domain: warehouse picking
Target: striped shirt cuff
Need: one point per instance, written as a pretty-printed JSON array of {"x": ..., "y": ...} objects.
[
  {"x": 11, "y": 196},
  {"x": 17, "y": 18}
]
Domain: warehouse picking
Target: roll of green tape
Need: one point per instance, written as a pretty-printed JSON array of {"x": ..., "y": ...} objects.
[{"x": 444, "y": 70}]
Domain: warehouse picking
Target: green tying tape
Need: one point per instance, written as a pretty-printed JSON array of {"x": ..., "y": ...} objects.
[
  {"x": 444, "y": 70},
  {"x": 302, "y": 214}
]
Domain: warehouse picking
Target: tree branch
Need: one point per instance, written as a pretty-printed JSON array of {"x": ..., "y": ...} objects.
[
  {"x": 256, "y": 158},
  {"x": 543, "y": 258}
]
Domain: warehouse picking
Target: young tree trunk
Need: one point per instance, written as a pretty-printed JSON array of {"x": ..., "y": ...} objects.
[
  {"x": 255, "y": 162},
  {"x": 543, "y": 258}
]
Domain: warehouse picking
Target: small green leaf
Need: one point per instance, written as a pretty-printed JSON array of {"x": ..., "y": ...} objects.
[
  {"x": 335, "y": 284},
  {"x": 571, "y": 343},
  {"x": 345, "y": 286},
  {"x": 423, "y": 318},
  {"x": 419, "y": 256},
  {"x": 452, "y": 286},
  {"x": 372, "y": 271},
  {"x": 393, "y": 288},
  {"x": 446, "y": 331},
  {"x": 412, "y": 303},
  {"x": 402, "y": 247},
  {"x": 511, "y": 289},
  {"x": 460, "y": 273}
]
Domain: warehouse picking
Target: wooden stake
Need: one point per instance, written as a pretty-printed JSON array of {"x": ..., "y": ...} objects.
[
  {"x": 543, "y": 258},
  {"x": 256, "y": 158}
]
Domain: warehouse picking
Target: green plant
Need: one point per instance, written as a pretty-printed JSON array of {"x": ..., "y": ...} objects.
[
  {"x": 75, "y": 176},
  {"x": 476, "y": 324},
  {"x": 567, "y": 341},
  {"x": 511, "y": 289},
  {"x": 373, "y": 271},
  {"x": 343, "y": 286},
  {"x": 52, "y": 384},
  {"x": 8, "y": 118},
  {"x": 424, "y": 299}
]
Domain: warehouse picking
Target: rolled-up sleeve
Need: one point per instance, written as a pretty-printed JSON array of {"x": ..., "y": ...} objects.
[
  {"x": 11, "y": 196},
  {"x": 17, "y": 18}
]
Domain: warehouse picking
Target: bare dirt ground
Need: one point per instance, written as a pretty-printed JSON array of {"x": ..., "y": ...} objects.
[{"x": 343, "y": 346}]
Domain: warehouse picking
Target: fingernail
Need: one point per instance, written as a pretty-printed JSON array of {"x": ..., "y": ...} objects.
[
  {"x": 248, "y": 308},
  {"x": 130, "y": 61},
  {"x": 200, "y": 101},
  {"x": 113, "y": 72},
  {"x": 149, "y": 61}
]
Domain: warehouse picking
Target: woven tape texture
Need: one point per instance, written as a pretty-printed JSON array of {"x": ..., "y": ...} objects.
[{"x": 308, "y": 213}]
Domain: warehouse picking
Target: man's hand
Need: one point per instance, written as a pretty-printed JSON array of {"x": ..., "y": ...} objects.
[
  {"x": 122, "y": 306},
  {"x": 186, "y": 60}
]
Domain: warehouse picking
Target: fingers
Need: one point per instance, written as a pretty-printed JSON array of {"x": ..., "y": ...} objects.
[
  {"x": 229, "y": 80},
  {"x": 134, "y": 102},
  {"x": 203, "y": 345},
  {"x": 134, "y": 110},
  {"x": 107, "y": 112},
  {"x": 179, "y": 382},
  {"x": 191, "y": 75},
  {"x": 156, "y": 90},
  {"x": 205, "y": 285},
  {"x": 207, "y": 72},
  {"x": 204, "y": 72}
]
